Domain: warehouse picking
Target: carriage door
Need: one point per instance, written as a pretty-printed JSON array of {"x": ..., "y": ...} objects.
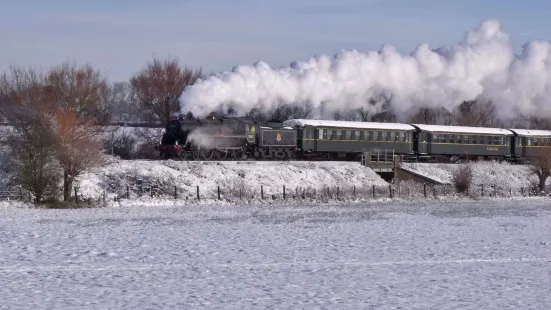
[
  {"x": 315, "y": 137},
  {"x": 422, "y": 142},
  {"x": 524, "y": 146},
  {"x": 429, "y": 142},
  {"x": 300, "y": 138}
]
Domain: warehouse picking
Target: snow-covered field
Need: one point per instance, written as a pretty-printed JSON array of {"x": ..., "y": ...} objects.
[{"x": 474, "y": 255}]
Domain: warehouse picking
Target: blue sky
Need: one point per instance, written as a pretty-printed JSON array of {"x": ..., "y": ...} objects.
[{"x": 120, "y": 36}]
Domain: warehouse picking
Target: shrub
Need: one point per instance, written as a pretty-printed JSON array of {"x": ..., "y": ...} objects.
[
  {"x": 121, "y": 146},
  {"x": 462, "y": 178}
]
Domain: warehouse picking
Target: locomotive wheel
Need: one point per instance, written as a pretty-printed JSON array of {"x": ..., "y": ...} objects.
[
  {"x": 238, "y": 154},
  {"x": 195, "y": 155},
  {"x": 207, "y": 154},
  {"x": 221, "y": 154}
]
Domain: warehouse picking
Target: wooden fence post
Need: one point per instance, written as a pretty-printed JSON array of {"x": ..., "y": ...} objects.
[
  {"x": 175, "y": 192},
  {"x": 390, "y": 190},
  {"x": 127, "y": 192},
  {"x": 354, "y": 191},
  {"x": 373, "y": 188},
  {"x": 261, "y": 191},
  {"x": 76, "y": 195},
  {"x": 425, "y": 189},
  {"x": 21, "y": 192},
  {"x": 218, "y": 192},
  {"x": 198, "y": 197},
  {"x": 284, "y": 192}
]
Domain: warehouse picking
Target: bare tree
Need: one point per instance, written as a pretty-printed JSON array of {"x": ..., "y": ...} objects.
[
  {"x": 78, "y": 147},
  {"x": 432, "y": 116},
  {"x": 160, "y": 84},
  {"x": 52, "y": 133},
  {"x": 478, "y": 114},
  {"x": 285, "y": 112},
  {"x": 34, "y": 160},
  {"x": 125, "y": 105},
  {"x": 25, "y": 102},
  {"x": 541, "y": 167},
  {"x": 81, "y": 90}
]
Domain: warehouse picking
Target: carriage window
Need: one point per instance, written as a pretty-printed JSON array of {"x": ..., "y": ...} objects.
[
  {"x": 348, "y": 134},
  {"x": 362, "y": 135},
  {"x": 481, "y": 140},
  {"x": 519, "y": 141},
  {"x": 396, "y": 136},
  {"x": 457, "y": 138},
  {"x": 402, "y": 136},
  {"x": 356, "y": 135},
  {"x": 388, "y": 136},
  {"x": 338, "y": 134},
  {"x": 370, "y": 135},
  {"x": 474, "y": 139},
  {"x": 322, "y": 134},
  {"x": 529, "y": 140},
  {"x": 497, "y": 140},
  {"x": 435, "y": 137},
  {"x": 379, "y": 136}
]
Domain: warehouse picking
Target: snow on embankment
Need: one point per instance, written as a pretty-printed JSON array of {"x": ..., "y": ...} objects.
[
  {"x": 502, "y": 175},
  {"x": 245, "y": 177}
]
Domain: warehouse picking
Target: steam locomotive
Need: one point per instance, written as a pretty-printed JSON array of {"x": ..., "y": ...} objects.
[{"x": 222, "y": 138}]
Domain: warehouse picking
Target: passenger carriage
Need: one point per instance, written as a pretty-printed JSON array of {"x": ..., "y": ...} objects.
[
  {"x": 465, "y": 142},
  {"x": 348, "y": 140},
  {"x": 530, "y": 143}
]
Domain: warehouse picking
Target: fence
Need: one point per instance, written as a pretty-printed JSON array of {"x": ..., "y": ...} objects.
[
  {"x": 242, "y": 193},
  {"x": 11, "y": 193},
  {"x": 323, "y": 193}
]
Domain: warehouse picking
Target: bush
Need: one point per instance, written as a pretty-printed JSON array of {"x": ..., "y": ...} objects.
[
  {"x": 121, "y": 146},
  {"x": 462, "y": 178}
]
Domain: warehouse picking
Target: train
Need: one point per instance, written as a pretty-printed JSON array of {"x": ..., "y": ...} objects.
[
  {"x": 307, "y": 139},
  {"x": 223, "y": 138}
]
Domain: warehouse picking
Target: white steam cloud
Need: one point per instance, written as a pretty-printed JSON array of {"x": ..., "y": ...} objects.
[{"x": 482, "y": 66}]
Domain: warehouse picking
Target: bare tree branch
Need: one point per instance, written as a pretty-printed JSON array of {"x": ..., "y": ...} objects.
[{"x": 160, "y": 84}]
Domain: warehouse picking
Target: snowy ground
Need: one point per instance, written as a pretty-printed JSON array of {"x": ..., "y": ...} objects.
[
  {"x": 490, "y": 173},
  {"x": 234, "y": 178},
  {"x": 490, "y": 255}
]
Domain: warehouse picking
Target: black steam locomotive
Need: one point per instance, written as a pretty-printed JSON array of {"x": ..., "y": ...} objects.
[{"x": 219, "y": 138}]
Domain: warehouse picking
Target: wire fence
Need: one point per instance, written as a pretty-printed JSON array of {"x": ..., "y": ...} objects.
[{"x": 242, "y": 193}]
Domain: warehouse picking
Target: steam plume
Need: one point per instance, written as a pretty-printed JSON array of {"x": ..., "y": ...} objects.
[{"x": 482, "y": 66}]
